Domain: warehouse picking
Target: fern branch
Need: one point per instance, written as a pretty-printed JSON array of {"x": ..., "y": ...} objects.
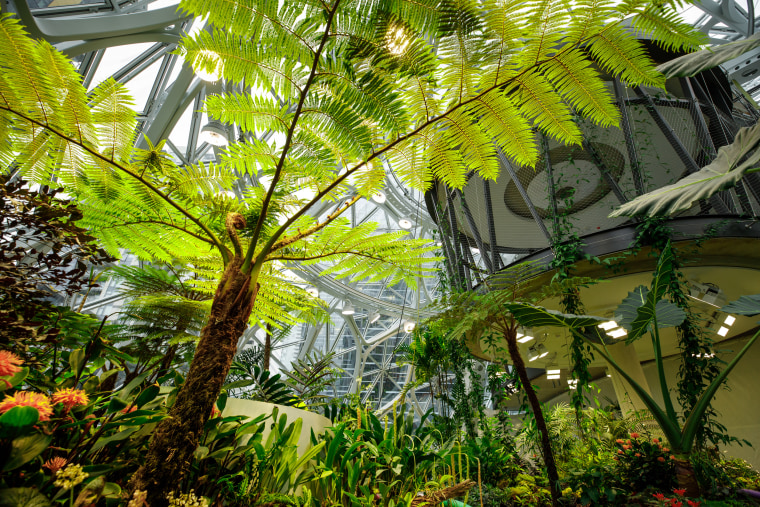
[
  {"x": 317, "y": 227},
  {"x": 222, "y": 249},
  {"x": 160, "y": 222},
  {"x": 288, "y": 140}
]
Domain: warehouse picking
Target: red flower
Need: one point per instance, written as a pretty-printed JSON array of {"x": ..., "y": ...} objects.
[
  {"x": 634, "y": 435},
  {"x": 10, "y": 364},
  {"x": 70, "y": 398},
  {"x": 675, "y": 503},
  {"x": 619, "y": 440},
  {"x": 28, "y": 399},
  {"x": 659, "y": 496},
  {"x": 55, "y": 464},
  {"x": 693, "y": 503},
  {"x": 661, "y": 459},
  {"x": 656, "y": 440},
  {"x": 620, "y": 451},
  {"x": 679, "y": 492}
]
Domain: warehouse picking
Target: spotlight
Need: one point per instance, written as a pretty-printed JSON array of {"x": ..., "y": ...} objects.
[
  {"x": 348, "y": 308},
  {"x": 313, "y": 292},
  {"x": 409, "y": 326},
  {"x": 374, "y": 317},
  {"x": 214, "y": 133},
  {"x": 208, "y": 65},
  {"x": 378, "y": 197},
  {"x": 405, "y": 223}
]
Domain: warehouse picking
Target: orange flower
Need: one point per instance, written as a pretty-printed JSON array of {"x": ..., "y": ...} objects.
[
  {"x": 656, "y": 440},
  {"x": 10, "y": 364},
  {"x": 638, "y": 454},
  {"x": 661, "y": 459},
  {"x": 28, "y": 399},
  {"x": 634, "y": 435},
  {"x": 619, "y": 440},
  {"x": 55, "y": 464},
  {"x": 70, "y": 398},
  {"x": 215, "y": 412}
]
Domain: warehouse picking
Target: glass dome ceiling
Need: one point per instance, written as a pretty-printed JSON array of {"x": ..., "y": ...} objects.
[{"x": 133, "y": 42}]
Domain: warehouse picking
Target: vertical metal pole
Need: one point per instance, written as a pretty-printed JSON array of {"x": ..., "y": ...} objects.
[
  {"x": 625, "y": 123},
  {"x": 475, "y": 232},
  {"x": 491, "y": 226}
]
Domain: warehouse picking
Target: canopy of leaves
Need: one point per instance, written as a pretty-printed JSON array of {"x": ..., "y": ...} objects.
[{"x": 42, "y": 252}]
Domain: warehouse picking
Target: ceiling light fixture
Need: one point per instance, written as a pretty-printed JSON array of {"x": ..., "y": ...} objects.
[
  {"x": 313, "y": 292},
  {"x": 523, "y": 338},
  {"x": 552, "y": 377},
  {"x": 378, "y": 197},
  {"x": 617, "y": 333},
  {"x": 730, "y": 319},
  {"x": 214, "y": 134},
  {"x": 722, "y": 331},
  {"x": 610, "y": 324},
  {"x": 552, "y": 372},
  {"x": 409, "y": 326},
  {"x": 374, "y": 317},
  {"x": 348, "y": 308},
  {"x": 208, "y": 65},
  {"x": 572, "y": 383},
  {"x": 405, "y": 223}
]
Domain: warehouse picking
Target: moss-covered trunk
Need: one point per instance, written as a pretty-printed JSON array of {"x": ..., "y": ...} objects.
[
  {"x": 535, "y": 405},
  {"x": 176, "y": 437}
]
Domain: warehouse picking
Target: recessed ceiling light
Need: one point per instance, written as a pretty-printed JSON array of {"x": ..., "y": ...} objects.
[
  {"x": 723, "y": 331},
  {"x": 405, "y": 223},
  {"x": 313, "y": 292},
  {"x": 552, "y": 372},
  {"x": 552, "y": 377},
  {"x": 730, "y": 319},
  {"x": 618, "y": 333},
  {"x": 523, "y": 338},
  {"x": 610, "y": 324}
]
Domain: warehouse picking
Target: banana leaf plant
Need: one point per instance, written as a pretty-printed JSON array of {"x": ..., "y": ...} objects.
[{"x": 643, "y": 312}]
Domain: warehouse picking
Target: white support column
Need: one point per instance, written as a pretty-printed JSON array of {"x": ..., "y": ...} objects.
[{"x": 625, "y": 356}]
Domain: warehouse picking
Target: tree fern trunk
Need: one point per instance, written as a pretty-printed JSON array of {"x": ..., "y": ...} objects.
[
  {"x": 546, "y": 448},
  {"x": 267, "y": 347},
  {"x": 176, "y": 437}
]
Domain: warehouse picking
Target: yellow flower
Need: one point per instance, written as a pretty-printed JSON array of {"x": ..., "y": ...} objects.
[
  {"x": 186, "y": 500},
  {"x": 28, "y": 399},
  {"x": 70, "y": 476},
  {"x": 70, "y": 398}
]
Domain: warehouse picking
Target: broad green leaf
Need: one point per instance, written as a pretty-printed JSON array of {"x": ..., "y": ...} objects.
[
  {"x": 76, "y": 361},
  {"x": 122, "y": 435},
  {"x": 745, "y": 305},
  {"x": 535, "y": 316},
  {"x": 728, "y": 168},
  {"x": 22, "y": 497},
  {"x": 694, "y": 63},
  {"x": 24, "y": 449},
  {"x": 9, "y": 382},
  {"x": 646, "y": 312},
  {"x": 147, "y": 395},
  {"x": 18, "y": 417},
  {"x": 668, "y": 314}
]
